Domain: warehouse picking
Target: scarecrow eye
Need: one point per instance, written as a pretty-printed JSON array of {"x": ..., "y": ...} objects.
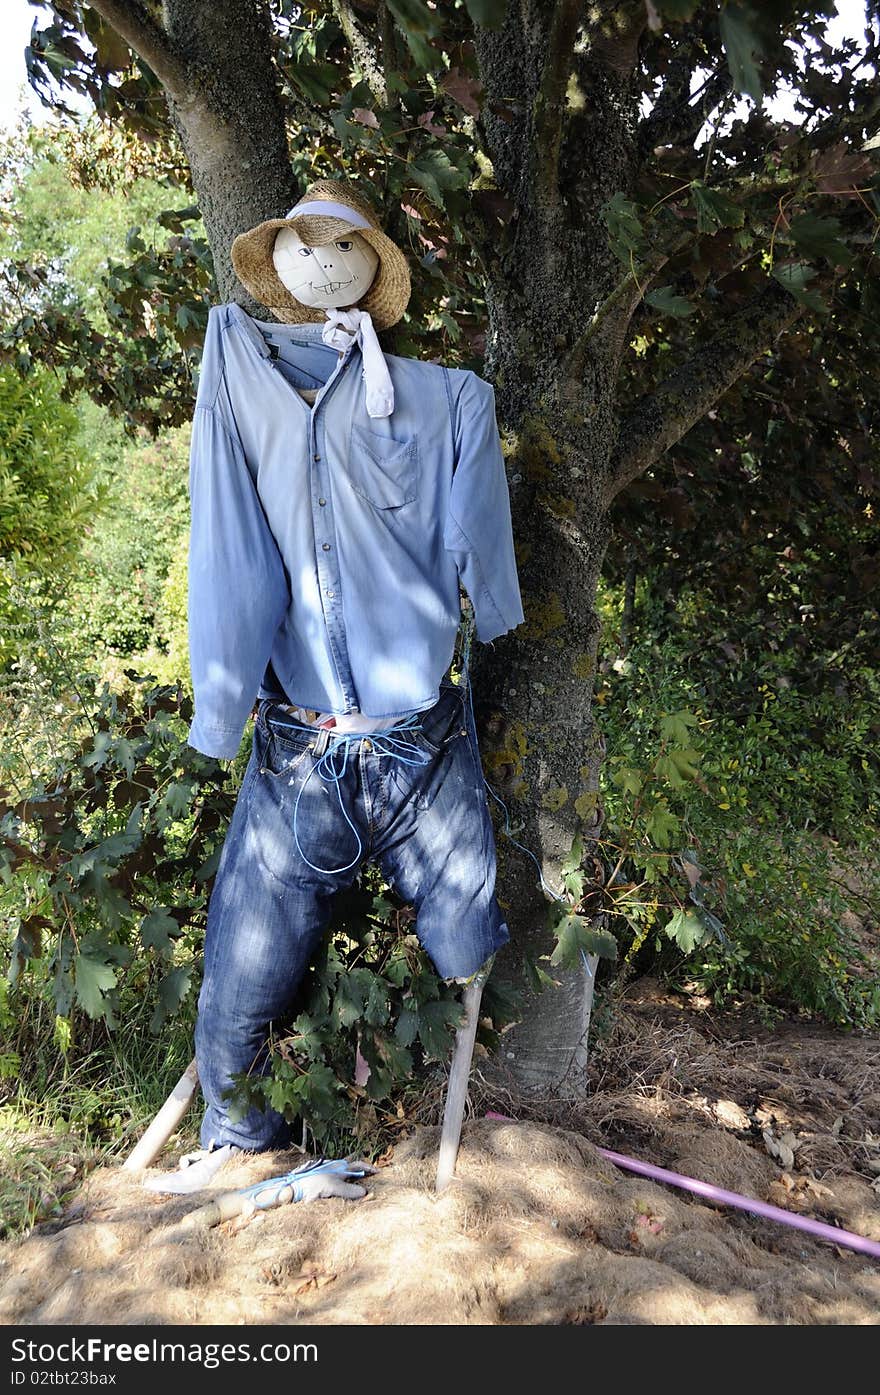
[
  {"x": 304, "y": 251},
  {"x": 345, "y": 245}
]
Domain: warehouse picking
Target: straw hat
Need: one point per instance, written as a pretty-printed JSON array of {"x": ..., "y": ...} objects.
[{"x": 387, "y": 297}]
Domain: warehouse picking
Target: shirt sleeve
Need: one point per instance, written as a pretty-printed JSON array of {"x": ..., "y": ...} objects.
[
  {"x": 478, "y": 530},
  {"x": 238, "y": 589}
]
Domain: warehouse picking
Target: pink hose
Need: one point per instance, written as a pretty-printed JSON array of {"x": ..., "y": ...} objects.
[{"x": 742, "y": 1203}]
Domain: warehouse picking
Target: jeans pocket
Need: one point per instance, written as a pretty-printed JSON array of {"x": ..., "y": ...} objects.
[
  {"x": 280, "y": 750},
  {"x": 382, "y": 470},
  {"x": 439, "y": 736}
]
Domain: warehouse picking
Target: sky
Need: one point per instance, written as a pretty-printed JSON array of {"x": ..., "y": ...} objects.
[{"x": 16, "y": 17}]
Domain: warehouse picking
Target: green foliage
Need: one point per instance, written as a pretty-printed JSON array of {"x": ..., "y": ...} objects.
[
  {"x": 111, "y": 828},
  {"x": 119, "y": 593},
  {"x": 49, "y": 485},
  {"x": 99, "y": 279},
  {"x": 371, "y": 1011},
  {"x": 741, "y": 43},
  {"x": 575, "y": 938},
  {"x": 729, "y": 833}
]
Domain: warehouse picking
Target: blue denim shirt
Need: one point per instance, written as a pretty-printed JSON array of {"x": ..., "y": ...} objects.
[{"x": 326, "y": 546}]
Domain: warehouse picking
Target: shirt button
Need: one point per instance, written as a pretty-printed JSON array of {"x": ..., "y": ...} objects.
[
  {"x": 326, "y": 546},
  {"x": 322, "y": 501},
  {"x": 317, "y": 457},
  {"x": 328, "y": 593}
]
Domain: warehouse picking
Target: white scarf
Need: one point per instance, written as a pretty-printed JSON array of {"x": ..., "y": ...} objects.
[{"x": 343, "y": 327}]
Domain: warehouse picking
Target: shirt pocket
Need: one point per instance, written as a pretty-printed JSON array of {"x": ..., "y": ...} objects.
[{"x": 382, "y": 470}]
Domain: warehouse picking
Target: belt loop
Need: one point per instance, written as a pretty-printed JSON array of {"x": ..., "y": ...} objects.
[{"x": 323, "y": 741}]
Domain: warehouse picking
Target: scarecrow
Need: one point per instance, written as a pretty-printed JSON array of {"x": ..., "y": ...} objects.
[{"x": 339, "y": 497}]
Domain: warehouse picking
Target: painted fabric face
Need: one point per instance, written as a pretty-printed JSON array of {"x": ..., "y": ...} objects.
[{"x": 327, "y": 277}]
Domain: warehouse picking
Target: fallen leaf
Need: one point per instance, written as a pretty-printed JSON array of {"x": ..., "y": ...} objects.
[
  {"x": 731, "y": 1114},
  {"x": 313, "y": 1277},
  {"x": 782, "y": 1148}
]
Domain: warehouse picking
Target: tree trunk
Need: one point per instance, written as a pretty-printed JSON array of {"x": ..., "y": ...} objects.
[
  {"x": 230, "y": 119},
  {"x": 557, "y": 400}
]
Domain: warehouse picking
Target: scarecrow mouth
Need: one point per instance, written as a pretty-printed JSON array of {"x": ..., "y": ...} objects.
[{"x": 332, "y": 286}]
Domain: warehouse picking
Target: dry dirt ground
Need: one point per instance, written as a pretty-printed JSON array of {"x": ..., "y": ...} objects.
[{"x": 537, "y": 1228}]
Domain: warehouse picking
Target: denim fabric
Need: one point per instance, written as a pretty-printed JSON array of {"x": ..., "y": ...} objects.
[
  {"x": 422, "y": 818},
  {"x": 326, "y": 546}
]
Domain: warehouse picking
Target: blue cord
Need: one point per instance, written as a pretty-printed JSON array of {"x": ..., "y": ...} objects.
[{"x": 329, "y": 771}]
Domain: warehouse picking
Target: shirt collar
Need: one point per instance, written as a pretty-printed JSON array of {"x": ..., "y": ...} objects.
[{"x": 251, "y": 328}]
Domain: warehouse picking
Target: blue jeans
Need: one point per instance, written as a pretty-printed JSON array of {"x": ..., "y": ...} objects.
[{"x": 411, "y": 798}]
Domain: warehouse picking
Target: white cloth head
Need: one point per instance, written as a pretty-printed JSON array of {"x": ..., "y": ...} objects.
[{"x": 341, "y": 329}]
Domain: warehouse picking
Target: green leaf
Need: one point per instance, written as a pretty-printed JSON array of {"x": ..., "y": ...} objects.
[
  {"x": 674, "y": 726},
  {"x": 389, "y": 1061},
  {"x": 687, "y": 929},
  {"x": 631, "y": 781},
  {"x": 574, "y": 858},
  {"x": 417, "y": 24},
  {"x": 159, "y": 930},
  {"x": 111, "y": 51},
  {"x": 100, "y": 751},
  {"x": 714, "y": 209},
  {"x": 661, "y": 825},
  {"x": 316, "y": 81},
  {"x": 396, "y": 970},
  {"x": 574, "y": 884},
  {"x": 318, "y": 1089},
  {"x": 795, "y": 276},
  {"x": 576, "y": 937},
  {"x": 94, "y": 978},
  {"x": 436, "y": 1021},
  {"x": 625, "y": 231},
  {"x": 376, "y": 1005},
  {"x": 125, "y": 753},
  {"x": 487, "y": 13},
  {"x": 435, "y": 172},
  {"x": 741, "y": 44},
  {"x": 308, "y": 1035},
  {"x": 172, "y": 990},
  {"x": 209, "y": 866},
  {"x": 348, "y": 1000},
  {"x": 407, "y": 1027},
  {"x": 536, "y": 977},
  {"x": 178, "y": 797},
  {"x": 820, "y": 237},
  {"x": 668, "y": 302}
]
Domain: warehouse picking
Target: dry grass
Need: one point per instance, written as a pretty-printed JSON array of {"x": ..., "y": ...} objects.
[{"x": 537, "y": 1227}]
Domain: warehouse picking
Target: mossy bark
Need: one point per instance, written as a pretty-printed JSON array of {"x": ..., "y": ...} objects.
[
  {"x": 557, "y": 403},
  {"x": 230, "y": 119}
]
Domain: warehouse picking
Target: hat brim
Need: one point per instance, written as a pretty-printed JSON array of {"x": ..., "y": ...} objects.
[{"x": 251, "y": 254}]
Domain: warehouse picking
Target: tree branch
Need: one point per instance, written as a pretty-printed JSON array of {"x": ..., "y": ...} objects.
[
  {"x": 133, "y": 23},
  {"x": 550, "y": 101},
  {"x": 362, "y": 51},
  {"x": 677, "y": 116},
  {"x": 388, "y": 47},
  {"x": 662, "y": 417}
]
